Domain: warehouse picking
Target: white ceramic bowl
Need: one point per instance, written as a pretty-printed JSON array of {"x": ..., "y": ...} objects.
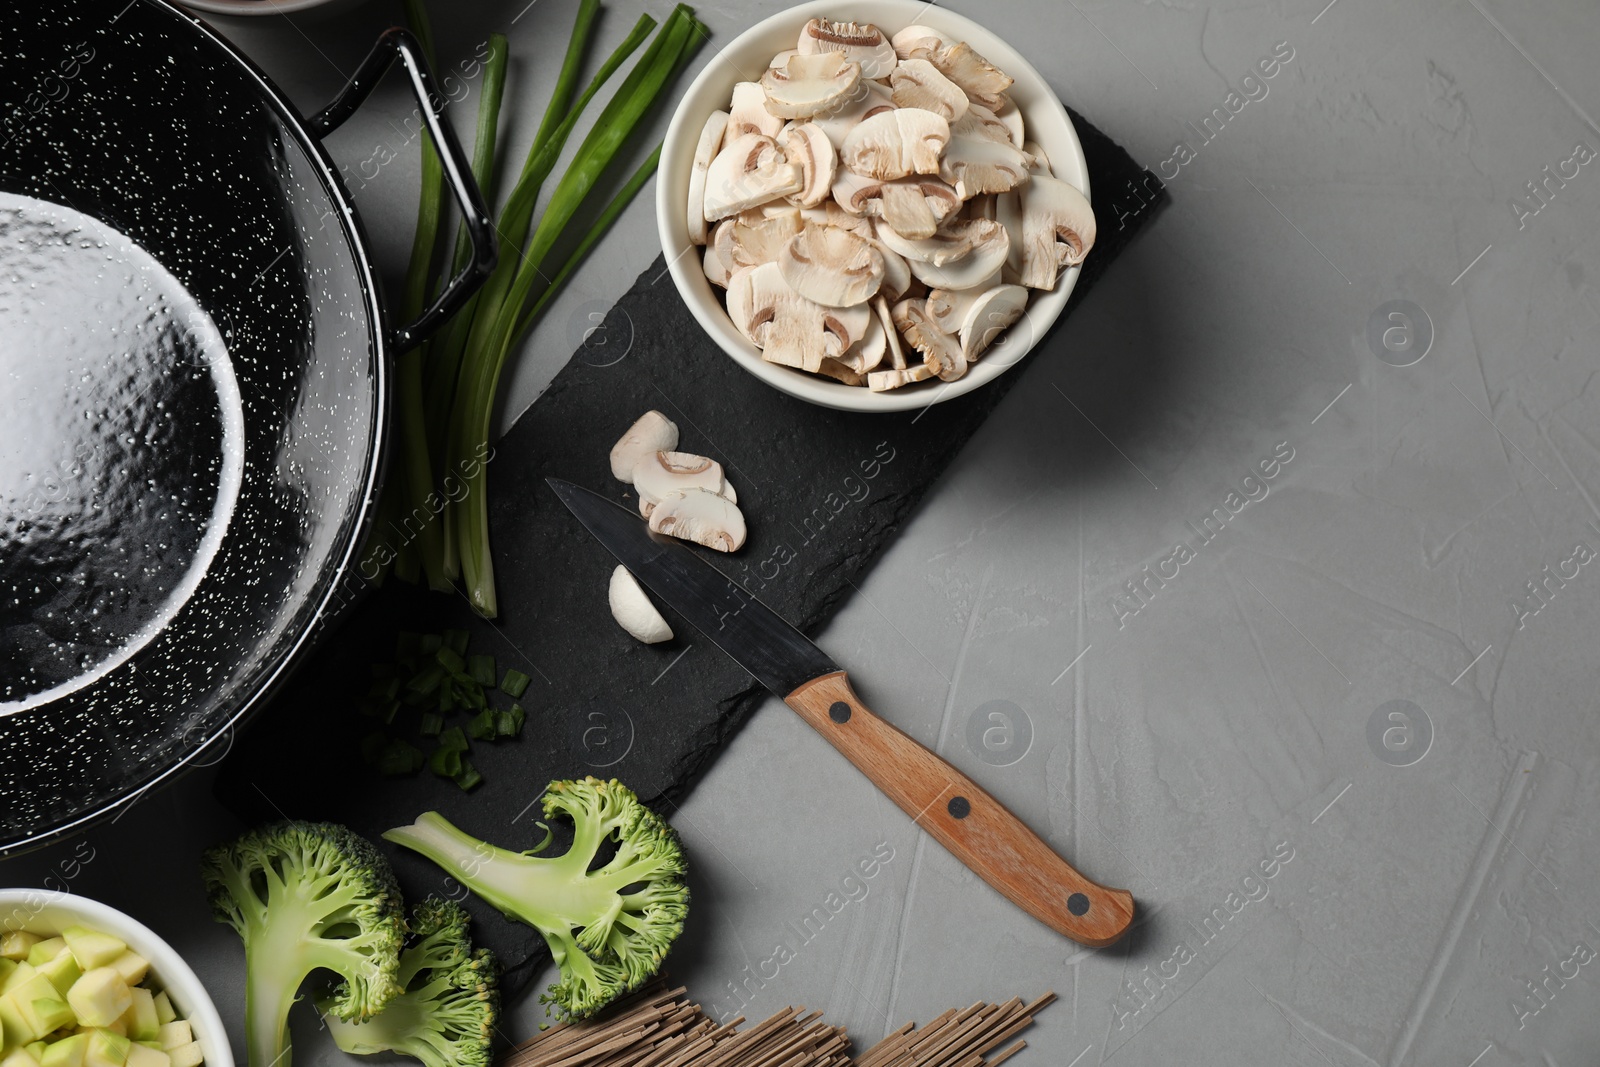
[
  {"x": 251, "y": 8},
  {"x": 745, "y": 58},
  {"x": 42, "y": 912}
]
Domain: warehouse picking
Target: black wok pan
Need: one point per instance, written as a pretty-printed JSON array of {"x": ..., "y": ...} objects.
[{"x": 194, "y": 380}]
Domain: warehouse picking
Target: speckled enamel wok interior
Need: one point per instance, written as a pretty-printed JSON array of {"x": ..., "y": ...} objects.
[{"x": 138, "y": 116}]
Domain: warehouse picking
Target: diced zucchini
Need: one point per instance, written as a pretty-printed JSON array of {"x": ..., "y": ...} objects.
[
  {"x": 62, "y": 972},
  {"x": 106, "y": 1049},
  {"x": 16, "y": 944},
  {"x": 68, "y": 1052},
  {"x": 17, "y": 1030},
  {"x": 44, "y": 951},
  {"x": 145, "y": 1056},
  {"x": 92, "y": 948},
  {"x": 7, "y": 967},
  {"x": 100, "y": 997},
  {"x": 164, "y": 1009},
  {"x": 132, "y": 966},
  {"x": 19, "y": 1058},
  {"x": 187, "y": 1055},
  {"x": 175, "y": 1033},
  {"x": 45, "y": 1014},
  {"x": 141, "y": 1015},
  {"x": 36, "y": 1049}
]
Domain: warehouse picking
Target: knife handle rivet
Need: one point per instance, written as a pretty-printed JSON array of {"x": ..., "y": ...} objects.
[
  {"x": 959, "y": 807},
  {"x": 839, "y": 711},
  {"x": 1078, "y": 904}
]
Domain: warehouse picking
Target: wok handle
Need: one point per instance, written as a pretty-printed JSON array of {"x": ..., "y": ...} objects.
[{"x": 399, "y": 41}]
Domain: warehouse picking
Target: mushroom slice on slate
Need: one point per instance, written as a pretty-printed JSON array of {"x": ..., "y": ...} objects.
[
  {"x": 861, "y": 43},
  {"x": 748, "y": 112},
  {"x": 976, "y": 165},
  {"x": 700, "y": 516},
  {"x": 912, "y": 38},
  {"x": 991, "y": 314},
  {"x": 652, "y": 432},
  {"x": 748, "y": 172},
  {"x": 949, "y": 308},
  {"x": 705, "y": 151},
  {"x": 897, "y": 143},
  {"x": 831, "y": 266},
  {"x": 751, "y": 239},
  {"x": 940, "y": 351},
  {"x": 1056, "y": 227},
  {"x": 989, "y": 244},
  {"x": 631, "y": 607},
  {"x": 917, "y": 83},
  {"x": 913, "y": 207},
  {"x": 810, "y": 84},
  {"x": 807, "y": 147},
  {"x": 660, "y": 473},
  {"x": 789, "y": 329}
]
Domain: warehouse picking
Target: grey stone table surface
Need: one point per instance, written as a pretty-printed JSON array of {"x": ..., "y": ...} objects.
[{"x": 1294, "y": 636}]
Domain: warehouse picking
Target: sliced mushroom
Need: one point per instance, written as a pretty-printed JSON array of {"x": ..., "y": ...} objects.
[
  {"x": 867, "y": 353},
  {"x": 807, "y": 147},
  {"x": 863, "y": 44},
  {"x": 949, "y": 308},
  {"x": 980, "y": 80},
  {"x": 840, "y": 371},
  {"x": 952, "y": 243},
  {"x": 891, "y": 335},
  {"x": 989, "y": 244},
  {"x": 979, "y": 121},
  {"x": 912, "y": 38},
  {"x": 652, "y": 432},
  {"x": 660, "y": 473},
  {"x": 896, "y": 272},
  {"x": 1056, "y": 227},
  {"x": 789, "y": 329},
  {"x": 977, "y": 165},
  {"x": 631, "y": 607},
  {"x": 1041, "y": 162},
  {"x": 750, "y": 240},
  {"x": 895, "y": 144},
  {"x": 917, "y": 83},
  {"x": 991, "y": 314},
  {"x": 1011, "y": 116},
  {"x": 981, "y": 206},
  {"x": 829, "y": 213},
  {"x": 700, "y": 516},
  {"x": 748, "y": 172},
  {"x": 748, "y": 112},
  {"x": 810, "y": 84},
  {"x": 831, "y": 266},
  {"x": 940, "y": 351},
  {"x": 867, "y": 100},
  {"x": 781, "y": 59},
  {"x": 716, "y": 271},
  {"x": 705, "y": 151},
  {"x": 898, "y": 373},
  {"x": 914, "y": 207}
]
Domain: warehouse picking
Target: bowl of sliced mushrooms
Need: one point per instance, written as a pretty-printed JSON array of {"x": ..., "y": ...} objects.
[{"x": 875, "y": 213}]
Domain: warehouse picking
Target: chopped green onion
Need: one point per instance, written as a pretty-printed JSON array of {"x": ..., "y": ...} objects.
[
  {"x": 399, "y": 758},
  {"x": 468, "y": 777},
  {"x": 509, "y": 723},
  {"x": 482, "y": 670},
  {"x": 454, "y": 738},
  {"x": 481, "y": 727},
  {"x": 456, "y": 641},
  {"x": 432, "y": 724},
  {"x": 430, "y": 644},
  {"x": 514, "y": 684},
  {"x": 445, "y": 762}
]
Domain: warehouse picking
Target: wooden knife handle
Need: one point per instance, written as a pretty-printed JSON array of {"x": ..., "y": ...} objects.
[{"x": 963, "y": 818}]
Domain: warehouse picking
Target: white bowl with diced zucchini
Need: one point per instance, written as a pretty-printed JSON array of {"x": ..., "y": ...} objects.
[
  {"x": 83, "y": 985},
  {"x": 875, "y": 214}
]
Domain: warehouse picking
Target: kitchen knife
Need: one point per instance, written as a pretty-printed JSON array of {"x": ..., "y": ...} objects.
[{"x": 951, "y": 807}]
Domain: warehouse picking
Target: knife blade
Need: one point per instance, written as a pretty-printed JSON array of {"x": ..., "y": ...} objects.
[{"x": 953, "y": 809}]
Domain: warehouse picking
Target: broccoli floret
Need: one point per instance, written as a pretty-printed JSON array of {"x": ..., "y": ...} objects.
[
  {"x": 446, "y": 1016},
  {"x": 608, "y": 928},
  {"x": 307, "y": 896}
]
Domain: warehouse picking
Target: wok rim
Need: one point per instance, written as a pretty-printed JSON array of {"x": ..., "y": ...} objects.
[{"x": 376, "y": 454}]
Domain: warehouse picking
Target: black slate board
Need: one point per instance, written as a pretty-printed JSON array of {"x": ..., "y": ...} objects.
[{"x": 825, "y": 491}]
